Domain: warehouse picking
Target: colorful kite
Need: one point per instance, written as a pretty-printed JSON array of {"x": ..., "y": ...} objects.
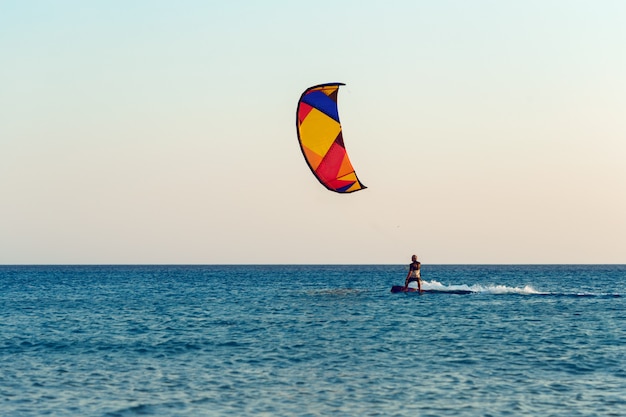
[{"x": 321, "y": 141}]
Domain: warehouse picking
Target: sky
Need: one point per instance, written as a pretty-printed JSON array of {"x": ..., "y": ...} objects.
[{"x": 162, "y": 132}]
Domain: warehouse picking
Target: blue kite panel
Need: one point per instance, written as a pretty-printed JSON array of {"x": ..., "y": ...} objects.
[{"x": 323, "y": 103}]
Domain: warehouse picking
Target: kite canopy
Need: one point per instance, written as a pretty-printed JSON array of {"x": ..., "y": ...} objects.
[{"x": 321, "y": 141}]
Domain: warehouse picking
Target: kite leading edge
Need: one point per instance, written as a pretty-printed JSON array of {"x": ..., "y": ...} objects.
[{"x": 321, "y": 140}]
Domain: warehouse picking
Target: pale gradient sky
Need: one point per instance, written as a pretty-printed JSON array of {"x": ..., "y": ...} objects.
[{"x": 164, "y": 132}]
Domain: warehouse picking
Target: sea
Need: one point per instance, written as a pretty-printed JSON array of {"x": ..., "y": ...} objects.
[{"x": 312, "y": 340}]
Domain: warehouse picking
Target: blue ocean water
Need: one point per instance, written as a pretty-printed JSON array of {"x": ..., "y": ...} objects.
[{"x": 312, "y": 341}]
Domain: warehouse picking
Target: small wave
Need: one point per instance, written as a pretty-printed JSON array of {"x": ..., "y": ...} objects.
[
  {"x": 134, "y": 410},
  {"x": 588, "y": 294},
  {"x": 337, "y": 292},
  {"x": 480, "y": 289},
  {"x": 436, "y": 286}
]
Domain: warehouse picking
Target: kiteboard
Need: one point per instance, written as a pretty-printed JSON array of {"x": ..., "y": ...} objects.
[{"x": 402, "y": 288}]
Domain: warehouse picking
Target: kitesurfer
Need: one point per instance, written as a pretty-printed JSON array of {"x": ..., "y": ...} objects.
[{"x": 414, "y": 274}]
